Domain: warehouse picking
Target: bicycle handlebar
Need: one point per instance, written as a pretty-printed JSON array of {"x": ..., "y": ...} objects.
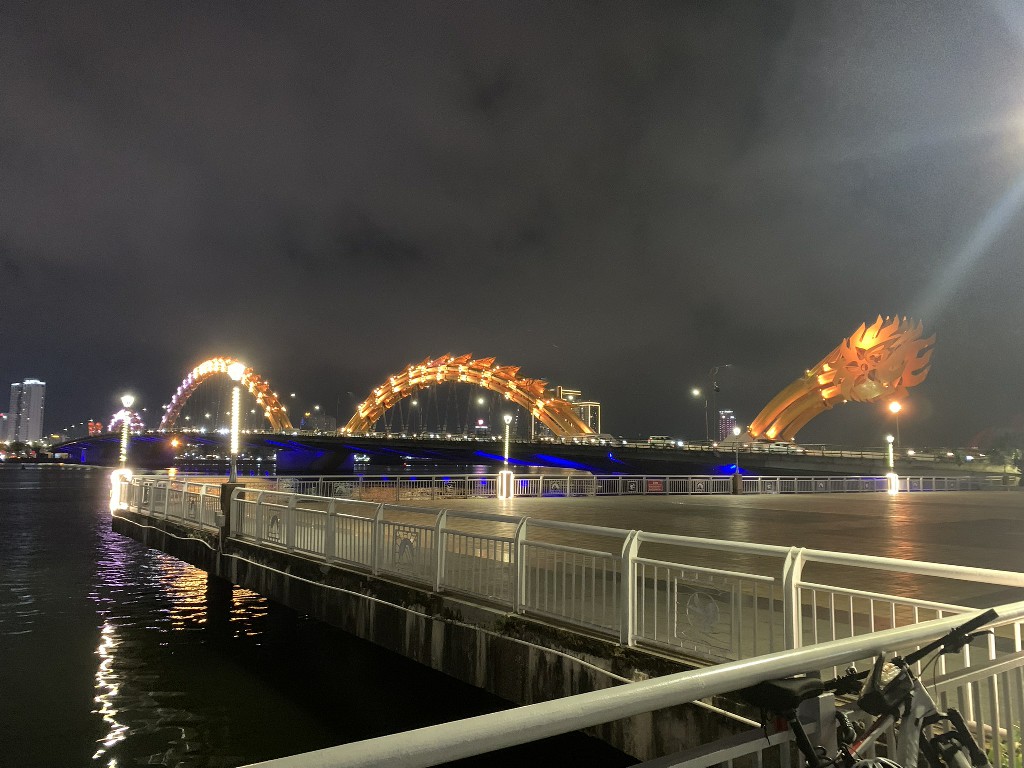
[{"x": 956, "y": 638}]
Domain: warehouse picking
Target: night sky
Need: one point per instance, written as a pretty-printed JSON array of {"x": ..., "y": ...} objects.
[{"x": 614, "y": 196}]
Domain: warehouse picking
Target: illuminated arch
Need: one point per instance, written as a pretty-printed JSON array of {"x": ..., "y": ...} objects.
[
  {"x": 874, "y": 363},
  {"x": 532, "y": 394},
  {"x": 250, "y": 380}
]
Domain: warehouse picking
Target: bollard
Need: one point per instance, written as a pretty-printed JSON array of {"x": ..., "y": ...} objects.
[{"x": 737, "y": 483}]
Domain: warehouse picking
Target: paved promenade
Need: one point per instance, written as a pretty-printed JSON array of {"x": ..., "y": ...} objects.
[{"x": 972, "y": 528}]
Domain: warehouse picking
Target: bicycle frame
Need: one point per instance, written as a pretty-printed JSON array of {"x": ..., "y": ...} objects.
[
  {"x": 953, "y": 748},
  {"x": 892, "y": 694}
]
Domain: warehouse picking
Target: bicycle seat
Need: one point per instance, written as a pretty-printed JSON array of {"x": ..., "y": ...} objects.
[{"x": 782, "y": 695}]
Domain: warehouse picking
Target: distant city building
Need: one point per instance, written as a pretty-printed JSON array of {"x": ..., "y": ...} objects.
[
  {"x": 726, "y": 423},
  {"x": 563, "y": 393},
  {"x": 25, "y": 419},
  {"x": 589, "y": 411}
]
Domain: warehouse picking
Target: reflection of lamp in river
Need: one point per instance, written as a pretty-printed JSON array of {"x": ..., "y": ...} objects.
[
  {"x": 505, "y": 475},
  {"x": 235, "y": 371},
  {"x": 891, "y": 476}
]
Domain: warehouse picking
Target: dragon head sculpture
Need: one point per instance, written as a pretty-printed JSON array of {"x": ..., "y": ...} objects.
[
  {"x": 883, "y": 360},
  {"x": 880, "y": 361}
]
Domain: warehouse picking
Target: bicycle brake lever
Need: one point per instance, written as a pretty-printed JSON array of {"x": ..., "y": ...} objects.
[{"x": 960, "y": 641}]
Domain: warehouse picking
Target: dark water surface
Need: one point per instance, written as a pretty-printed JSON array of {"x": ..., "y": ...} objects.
[{"x": 115, "y": 655}]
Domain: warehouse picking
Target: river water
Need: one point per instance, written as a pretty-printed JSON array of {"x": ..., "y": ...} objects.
[{"x": 114, "y": 655}]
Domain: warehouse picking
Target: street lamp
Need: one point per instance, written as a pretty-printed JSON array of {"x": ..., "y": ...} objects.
[
  {"x": 126, "y": 401},
  {"x": 737, "y": 479},
  {"x": 235, "y": 371},
  {"x": 736, "y": 447},
  {"x": 713, "y": 379},
  {"x": 696, "y": 392},
  {"x": 505, "y": 475},
  {"x": 122, "y": 475},
  {"x": 895, "y": 408},
  {"x": 891, "y": 476}
]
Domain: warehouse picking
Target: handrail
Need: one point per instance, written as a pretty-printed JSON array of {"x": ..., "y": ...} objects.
[
  {"x": 606, "y": 485},
  {"x": 485, "y": 733},
  {"x": 919, "y": 567},
  {"x": 621, "y": 592}
]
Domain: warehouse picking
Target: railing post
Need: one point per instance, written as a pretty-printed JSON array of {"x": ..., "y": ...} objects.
[
  {"x": 330, "y": 533},
  {"x": 376, "y": 540},
  {"x": 627, "y": 610},
  {"x": 519, "y": 566},
  {"x": 791, "y": 576},
  {"x": 289, "y": 526},
  {"x": 439, "y": 551},
  {"x": 260, "y": 513},
  {"x": 167, "y": 497}
]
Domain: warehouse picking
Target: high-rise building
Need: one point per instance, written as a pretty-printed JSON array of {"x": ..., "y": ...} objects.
[
  {"x": 589, "y": 411},
  {"x": 25, "y": 419},
  {"x": 726, "y": 422}
]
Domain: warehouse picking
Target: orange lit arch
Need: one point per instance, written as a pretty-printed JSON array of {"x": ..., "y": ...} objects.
[
  {"x": 532, "y": 394},
  {"x": 250, "y": 380}
]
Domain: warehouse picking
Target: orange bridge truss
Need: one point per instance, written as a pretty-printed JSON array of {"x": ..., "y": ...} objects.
[
  {"x": 257, "y": 387},
  {"x": 532, "y": 394},
  {"x": 878, "y": 362}
]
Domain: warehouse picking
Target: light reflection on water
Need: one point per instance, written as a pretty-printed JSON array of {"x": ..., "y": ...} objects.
[{"x": 140, "y": 592}]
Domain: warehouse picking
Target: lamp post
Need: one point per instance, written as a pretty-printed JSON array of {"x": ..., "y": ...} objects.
[
  {"x": 505, "y": 475},
  {"x": 713, "y": 379},
  {"x": 696, "y": 392},
  {"x": 235, "y": 371},
  {"x": 737, "y": 479},
  {"x": 891, "y": 476},
  {"x": 736, "y": 447},
  {"x": 126, "y": 401},
  {"x": 895, "y": 408},
  {"x": 121, "y": 476}
]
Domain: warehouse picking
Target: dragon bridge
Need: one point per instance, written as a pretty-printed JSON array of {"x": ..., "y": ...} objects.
[
  {"x": 247, "y": 378},
  {"x": 878, "y": 362},
  {"x": 532, "y": 394}
]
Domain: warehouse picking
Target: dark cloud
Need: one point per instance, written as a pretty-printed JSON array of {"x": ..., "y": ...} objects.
[{"x": 616, "y": 197}]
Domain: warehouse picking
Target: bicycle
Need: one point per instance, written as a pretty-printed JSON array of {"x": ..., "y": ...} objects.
[{"x": 893, "y": 695}]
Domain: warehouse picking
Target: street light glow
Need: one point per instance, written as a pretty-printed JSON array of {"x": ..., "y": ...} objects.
[{"x": 895, "y": 407}]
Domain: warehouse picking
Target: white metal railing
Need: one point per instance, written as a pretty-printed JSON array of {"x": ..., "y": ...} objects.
[
  {"x": 694, "y": 597},
  {"x": 399, "y": 488},
  {"x": 996, "y": 674},
  {"x": 185, "y": 501}
]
